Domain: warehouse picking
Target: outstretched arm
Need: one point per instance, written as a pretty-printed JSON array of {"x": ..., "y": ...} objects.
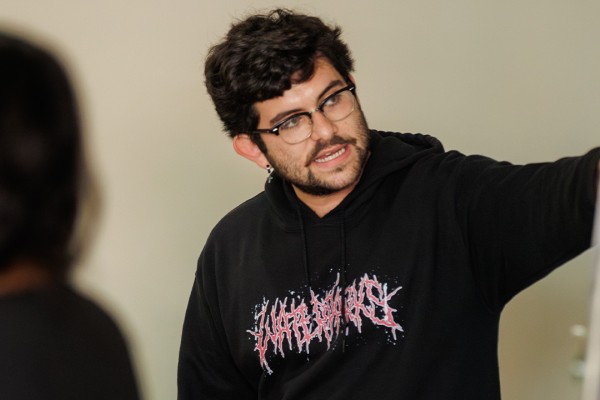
[{"x": 524, "y": 221}]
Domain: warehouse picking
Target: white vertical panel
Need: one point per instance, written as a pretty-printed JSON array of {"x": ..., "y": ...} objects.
[{"x": 591, "y": 385}]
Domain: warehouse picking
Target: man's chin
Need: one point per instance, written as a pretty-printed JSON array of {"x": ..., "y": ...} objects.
[
  {"x": 339, "y": 183},
  {"x": 319, "y": 191},
  {"x": 323, "y": 189}
]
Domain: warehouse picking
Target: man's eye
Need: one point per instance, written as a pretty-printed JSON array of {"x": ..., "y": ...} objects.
[
  {"x": 291, "y": 123},
  {"x": 332, "y": 101}
]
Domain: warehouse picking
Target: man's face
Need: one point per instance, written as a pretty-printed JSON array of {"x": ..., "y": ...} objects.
[{"x": 332, "y": 159}]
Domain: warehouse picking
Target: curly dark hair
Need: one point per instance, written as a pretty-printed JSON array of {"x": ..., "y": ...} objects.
[
  {"x": 259, "y": 56},
  {"x": 40, "y": 157}
]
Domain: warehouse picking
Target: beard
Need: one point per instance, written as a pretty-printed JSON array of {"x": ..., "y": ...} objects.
[{"x": 312, "y": 184}]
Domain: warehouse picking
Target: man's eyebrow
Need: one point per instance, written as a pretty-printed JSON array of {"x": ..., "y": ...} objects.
[
  {"x": 280, "y": 116},
  {"x": 333, "y": 84}
]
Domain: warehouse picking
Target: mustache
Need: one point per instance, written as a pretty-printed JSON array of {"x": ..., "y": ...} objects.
[{"x": 323, "y": 145}]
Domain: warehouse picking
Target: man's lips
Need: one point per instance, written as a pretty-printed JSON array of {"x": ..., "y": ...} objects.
[
  {"x": 325, "y": 152},
  {"x": 330, "y": 155}
]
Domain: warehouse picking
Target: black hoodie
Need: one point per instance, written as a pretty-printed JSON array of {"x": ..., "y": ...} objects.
[{"x": 420, "y": 258}]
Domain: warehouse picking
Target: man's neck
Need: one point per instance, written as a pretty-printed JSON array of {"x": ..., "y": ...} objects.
[{"x": 322, "y": 205}]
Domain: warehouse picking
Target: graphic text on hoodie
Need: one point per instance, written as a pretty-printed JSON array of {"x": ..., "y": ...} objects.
[{"x": 292, "y": 323}]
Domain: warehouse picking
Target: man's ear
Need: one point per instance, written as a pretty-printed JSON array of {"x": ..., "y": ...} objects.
[{"x": 245, "y": 147}]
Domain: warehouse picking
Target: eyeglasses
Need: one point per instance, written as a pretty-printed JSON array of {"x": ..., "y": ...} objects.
[{"x": 298, "y": 127}]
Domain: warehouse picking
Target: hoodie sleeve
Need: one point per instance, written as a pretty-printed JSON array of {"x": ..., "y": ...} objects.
[
  {"x": 206, "y": 368},
  {"x": 521, "y": 222}
]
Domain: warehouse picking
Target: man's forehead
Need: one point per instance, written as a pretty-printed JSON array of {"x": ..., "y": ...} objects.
[{"x": 323, "y": 79}]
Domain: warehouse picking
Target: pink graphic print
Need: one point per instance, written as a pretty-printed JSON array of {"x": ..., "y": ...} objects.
[{"x": 295, "y": 324}]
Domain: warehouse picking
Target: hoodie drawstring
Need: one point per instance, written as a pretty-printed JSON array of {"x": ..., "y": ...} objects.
[
  {"x": 344, "y": 282},
  {"x": 305, "y": 259},
  {"x": 343, "y": 277}
]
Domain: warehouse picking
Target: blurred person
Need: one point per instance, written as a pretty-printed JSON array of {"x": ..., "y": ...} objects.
[
  {"x": 55, "y": 344},
  {"x": 374, "y": 265}
]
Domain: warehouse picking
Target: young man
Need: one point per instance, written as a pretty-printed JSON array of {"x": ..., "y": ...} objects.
[{"x": 374, "y": 265}]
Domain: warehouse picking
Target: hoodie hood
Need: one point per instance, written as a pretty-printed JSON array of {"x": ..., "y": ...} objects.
[{"x": 390, "y": 152}]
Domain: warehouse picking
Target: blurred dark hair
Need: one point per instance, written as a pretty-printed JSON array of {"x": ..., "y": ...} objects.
[
  {"x": 40, "y": 157},
  {"x": 259, "y": 56}
]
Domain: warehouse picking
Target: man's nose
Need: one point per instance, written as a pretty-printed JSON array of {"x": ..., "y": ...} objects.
[{"x": 322, "y": 127}]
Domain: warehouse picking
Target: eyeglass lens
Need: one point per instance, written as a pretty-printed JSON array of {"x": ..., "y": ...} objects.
[{"x": 335, "y": 108}]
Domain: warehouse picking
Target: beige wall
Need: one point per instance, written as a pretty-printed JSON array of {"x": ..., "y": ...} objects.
[{"x": 516, "y": 80}]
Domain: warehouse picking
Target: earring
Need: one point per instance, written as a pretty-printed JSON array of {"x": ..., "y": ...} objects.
[{"x": 270, "y": 172}]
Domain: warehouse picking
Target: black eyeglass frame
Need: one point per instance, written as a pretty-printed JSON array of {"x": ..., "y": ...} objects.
[{"x": 275, "y": 129}]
